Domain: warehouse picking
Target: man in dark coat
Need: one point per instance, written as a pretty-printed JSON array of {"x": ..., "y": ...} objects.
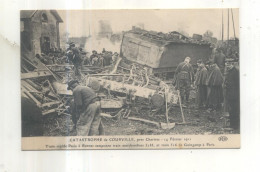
[
  {"x": 93, "y": 55},
  {"x": 215, "y": 91},
  {"x": 201, "y": 84},
  {"x": 220, "y": 60},
  {"x": 87, "y": 108},
  {"x": 185, "y": 76},
  {"x": 231, "y": 86},
  {"x": 107, "y": 58},
  {"x": 74, "y": 56},
  {"x": 77, "y": 60}
]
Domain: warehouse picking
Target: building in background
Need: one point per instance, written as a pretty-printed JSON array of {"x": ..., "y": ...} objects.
[{"x": 40, "y": 30}]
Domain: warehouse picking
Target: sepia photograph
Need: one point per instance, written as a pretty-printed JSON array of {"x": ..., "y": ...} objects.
[{"x": 130, "y": 79}]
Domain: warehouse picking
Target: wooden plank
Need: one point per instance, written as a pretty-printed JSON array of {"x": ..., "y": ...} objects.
[
  {"x": 29, "y": 62},
  {"x": 34, "y": 85},
  {"x": 145, "y": 121},
  {"x": 56, "y": 76},
  {"x": 28, "y": 87},
  {"x": 48, "y": 111},
  {"x": 30, "y": 96},
  {"x": 50, "y": 103},
  {"x": 25, "y": 68},
  {"x": 24, "y": 95},
  {"x": 35, "y": 74}
]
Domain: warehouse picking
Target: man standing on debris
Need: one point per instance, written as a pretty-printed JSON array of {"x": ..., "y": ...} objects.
[
  {"x": 76, "y": 58},
  {"x": 87, "y": 105},
  {"x": 93, "y": 55},
  {"x": 201, "y": 84},
  {"x": 231, "y": 86},
  {"x": 185, "y": 76},
  {"x": 107, "y": 58},
  {"x": 214, "y": 83}
]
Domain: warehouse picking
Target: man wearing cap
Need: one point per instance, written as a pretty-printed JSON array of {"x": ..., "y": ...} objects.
[
  {"x": 87, "y": 105},
  {"x": 200, "y": 83},
  {"x": 214, "y": 83},
  {"x": 185, "y": 76},
  {"x": 219, "y": 59},
  {"x": 232, "y": 95},
  {"x": 93, "y": 55},
  {"x": 76, "y": 58}
]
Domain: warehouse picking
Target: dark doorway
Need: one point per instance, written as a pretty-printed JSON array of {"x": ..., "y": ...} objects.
[{"x": 45, "y": 45}]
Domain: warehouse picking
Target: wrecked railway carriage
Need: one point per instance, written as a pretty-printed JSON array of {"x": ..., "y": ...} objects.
[{"x": 162, "y": 52}]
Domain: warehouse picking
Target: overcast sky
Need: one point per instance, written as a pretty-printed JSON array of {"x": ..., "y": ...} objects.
[{"x": 78, "y": 22}]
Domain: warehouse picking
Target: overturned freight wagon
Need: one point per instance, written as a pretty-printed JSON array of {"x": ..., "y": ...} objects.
[{"x": 162, "y": 52}]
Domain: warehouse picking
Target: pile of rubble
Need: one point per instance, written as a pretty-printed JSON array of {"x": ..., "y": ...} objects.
[
  {"x": 171, "y": 36},
  {"x": 119, "y": 85}
]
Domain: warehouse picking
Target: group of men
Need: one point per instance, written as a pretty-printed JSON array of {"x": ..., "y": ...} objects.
[
  {"x": 78, "y": 57},
  {"x": 214, "y": 81},
  {"x": 55, "y": 56},
  {"x": 105, "y": 58}
]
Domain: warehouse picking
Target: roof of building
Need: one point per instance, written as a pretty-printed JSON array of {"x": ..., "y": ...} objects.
[{"x": 30, "y": 13}]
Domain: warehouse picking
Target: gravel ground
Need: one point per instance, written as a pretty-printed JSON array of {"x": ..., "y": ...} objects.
[{"x": 198, "y": 122}]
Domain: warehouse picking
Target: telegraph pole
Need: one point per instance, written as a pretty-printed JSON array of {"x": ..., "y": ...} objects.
[
  {"x": 222, "y": 36},
  {"x": 233, "y": 24},
  {"x": 228, "y": 27}
]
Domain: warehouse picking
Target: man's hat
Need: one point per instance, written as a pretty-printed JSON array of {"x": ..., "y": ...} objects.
[
  {"x": 70, "y": 83},
  {"x": 94, "y": 51}
]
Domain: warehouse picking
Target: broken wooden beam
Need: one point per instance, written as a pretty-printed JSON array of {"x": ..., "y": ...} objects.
[
  {"x": 157, "y": 124},
  {"x": 35, "y": 74},
  {"x": 123, "y": 88},
  {"x": 48, "y": 111},
  {"x": 134, "y": 90}
]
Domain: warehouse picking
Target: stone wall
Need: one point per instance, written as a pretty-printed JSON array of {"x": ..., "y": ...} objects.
[{"x": 42, "y": 29}]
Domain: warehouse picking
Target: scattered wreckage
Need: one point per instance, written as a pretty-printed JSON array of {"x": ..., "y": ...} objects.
[
  {"x": 136, "y": 74},
  {"x": 47, "y": 87}
]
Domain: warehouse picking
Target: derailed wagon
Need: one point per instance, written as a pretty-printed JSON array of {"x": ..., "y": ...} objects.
[{"x": 162, "y": 52}]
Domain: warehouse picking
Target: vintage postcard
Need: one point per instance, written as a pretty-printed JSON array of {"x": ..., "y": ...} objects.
[{"x": 130, "y": 79}]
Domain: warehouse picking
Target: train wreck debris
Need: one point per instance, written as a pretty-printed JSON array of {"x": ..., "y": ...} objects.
[{"x": 148, "y": 86}]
